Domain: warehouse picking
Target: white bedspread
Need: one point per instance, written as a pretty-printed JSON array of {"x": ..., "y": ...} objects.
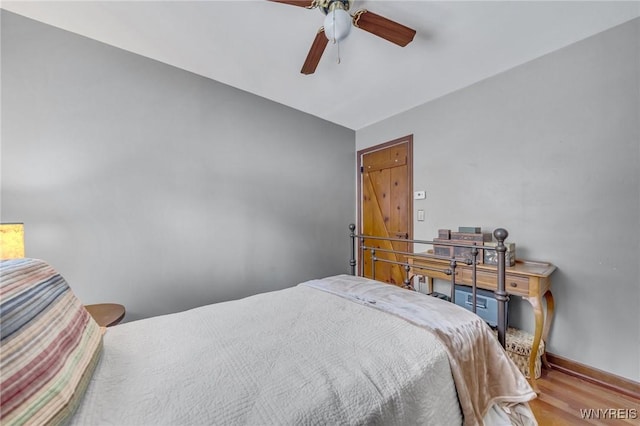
[
  {"x": 490, "y": 388},
  {"x": 296, "y": 356}
]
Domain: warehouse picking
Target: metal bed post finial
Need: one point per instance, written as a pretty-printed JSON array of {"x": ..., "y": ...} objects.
[
  {"x": 501, "y": 295},
  {"x": 352, "y": 261}
]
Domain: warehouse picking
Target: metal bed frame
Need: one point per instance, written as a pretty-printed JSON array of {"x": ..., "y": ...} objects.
[{"x": 358, "y": 246}]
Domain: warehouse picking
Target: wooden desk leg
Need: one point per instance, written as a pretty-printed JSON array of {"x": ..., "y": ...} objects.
[
  {"x": 536, "y": 302},
  {"x": 547, "y": 325},
  {"x": 430, "y": 285}
]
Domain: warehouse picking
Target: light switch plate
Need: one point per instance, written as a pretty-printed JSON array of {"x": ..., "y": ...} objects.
[{"x": 421, "y": 215}]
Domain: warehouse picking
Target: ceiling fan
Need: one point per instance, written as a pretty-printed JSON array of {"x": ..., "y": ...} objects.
[{"x": 337, "y": 25}]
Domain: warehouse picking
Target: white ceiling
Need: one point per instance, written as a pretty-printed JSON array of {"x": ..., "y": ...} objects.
[{"x": 259, "y": 46}]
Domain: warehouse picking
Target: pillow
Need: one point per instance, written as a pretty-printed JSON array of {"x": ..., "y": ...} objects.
[{"x": 49, "y": 344}]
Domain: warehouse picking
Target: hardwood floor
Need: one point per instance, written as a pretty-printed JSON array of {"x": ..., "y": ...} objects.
[{"x": 568, "y": 400}]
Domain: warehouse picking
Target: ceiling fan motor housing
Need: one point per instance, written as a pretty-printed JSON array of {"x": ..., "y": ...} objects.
[{"x": 329, "y": 5}]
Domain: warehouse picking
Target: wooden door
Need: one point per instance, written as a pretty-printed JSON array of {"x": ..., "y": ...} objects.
[{"x": 385, "y": 204}]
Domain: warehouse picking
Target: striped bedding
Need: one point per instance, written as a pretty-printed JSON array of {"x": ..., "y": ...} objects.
[{"x": 50, "y": 345}]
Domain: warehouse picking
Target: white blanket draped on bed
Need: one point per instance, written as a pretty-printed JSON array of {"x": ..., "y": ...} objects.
[
  {"x": 484, "y": 375},
  {"x": 296, "y": 356}
]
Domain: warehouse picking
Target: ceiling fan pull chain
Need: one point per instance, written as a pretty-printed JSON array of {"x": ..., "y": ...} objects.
[{"x": 338, "y": 52}]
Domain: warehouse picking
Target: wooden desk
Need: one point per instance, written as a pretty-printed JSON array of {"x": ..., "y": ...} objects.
[{"x": 530, "y": 280}]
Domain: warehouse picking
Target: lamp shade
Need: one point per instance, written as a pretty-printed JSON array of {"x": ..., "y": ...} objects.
[
  {"x": 337, "y": 24},
  {"x": 11, "y": 240}
]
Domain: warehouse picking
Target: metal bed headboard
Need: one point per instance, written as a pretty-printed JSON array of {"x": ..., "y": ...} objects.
[{"x": 358, "y": 246}]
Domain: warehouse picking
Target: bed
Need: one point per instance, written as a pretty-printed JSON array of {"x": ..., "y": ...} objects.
[{"x": 337, "y": 350}]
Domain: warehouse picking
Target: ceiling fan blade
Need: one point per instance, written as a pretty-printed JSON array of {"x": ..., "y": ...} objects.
[
  {"x": 383, "y": 27},
  {"x": 315, "y": 53},
  {"x": 309, "y": 4}
]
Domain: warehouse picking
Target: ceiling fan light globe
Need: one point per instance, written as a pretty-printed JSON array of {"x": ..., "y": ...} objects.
[{"x": 337, "y": 25}]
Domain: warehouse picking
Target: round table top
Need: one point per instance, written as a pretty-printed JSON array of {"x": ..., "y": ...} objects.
[{"x": 106, "y": 314}]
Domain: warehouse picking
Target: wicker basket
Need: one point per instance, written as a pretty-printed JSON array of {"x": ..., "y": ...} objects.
[{"x": 518, "y": 347}]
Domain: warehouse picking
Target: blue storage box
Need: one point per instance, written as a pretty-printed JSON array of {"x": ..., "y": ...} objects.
[{"x": 486, "y": 303}]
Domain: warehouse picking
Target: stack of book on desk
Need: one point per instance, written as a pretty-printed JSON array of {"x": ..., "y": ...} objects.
[{"x": 470, "y": 236}]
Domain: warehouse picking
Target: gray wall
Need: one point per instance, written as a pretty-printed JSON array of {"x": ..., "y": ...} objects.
[
  {"x": 153, "y": 187},
  {"x": 549, "y": 150}
]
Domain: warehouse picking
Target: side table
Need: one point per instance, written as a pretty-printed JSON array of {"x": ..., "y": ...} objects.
[{"x": 106, "y": 314}]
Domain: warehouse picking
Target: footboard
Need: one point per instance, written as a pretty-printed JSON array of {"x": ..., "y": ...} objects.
[{"x": 358, "y": 246}]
